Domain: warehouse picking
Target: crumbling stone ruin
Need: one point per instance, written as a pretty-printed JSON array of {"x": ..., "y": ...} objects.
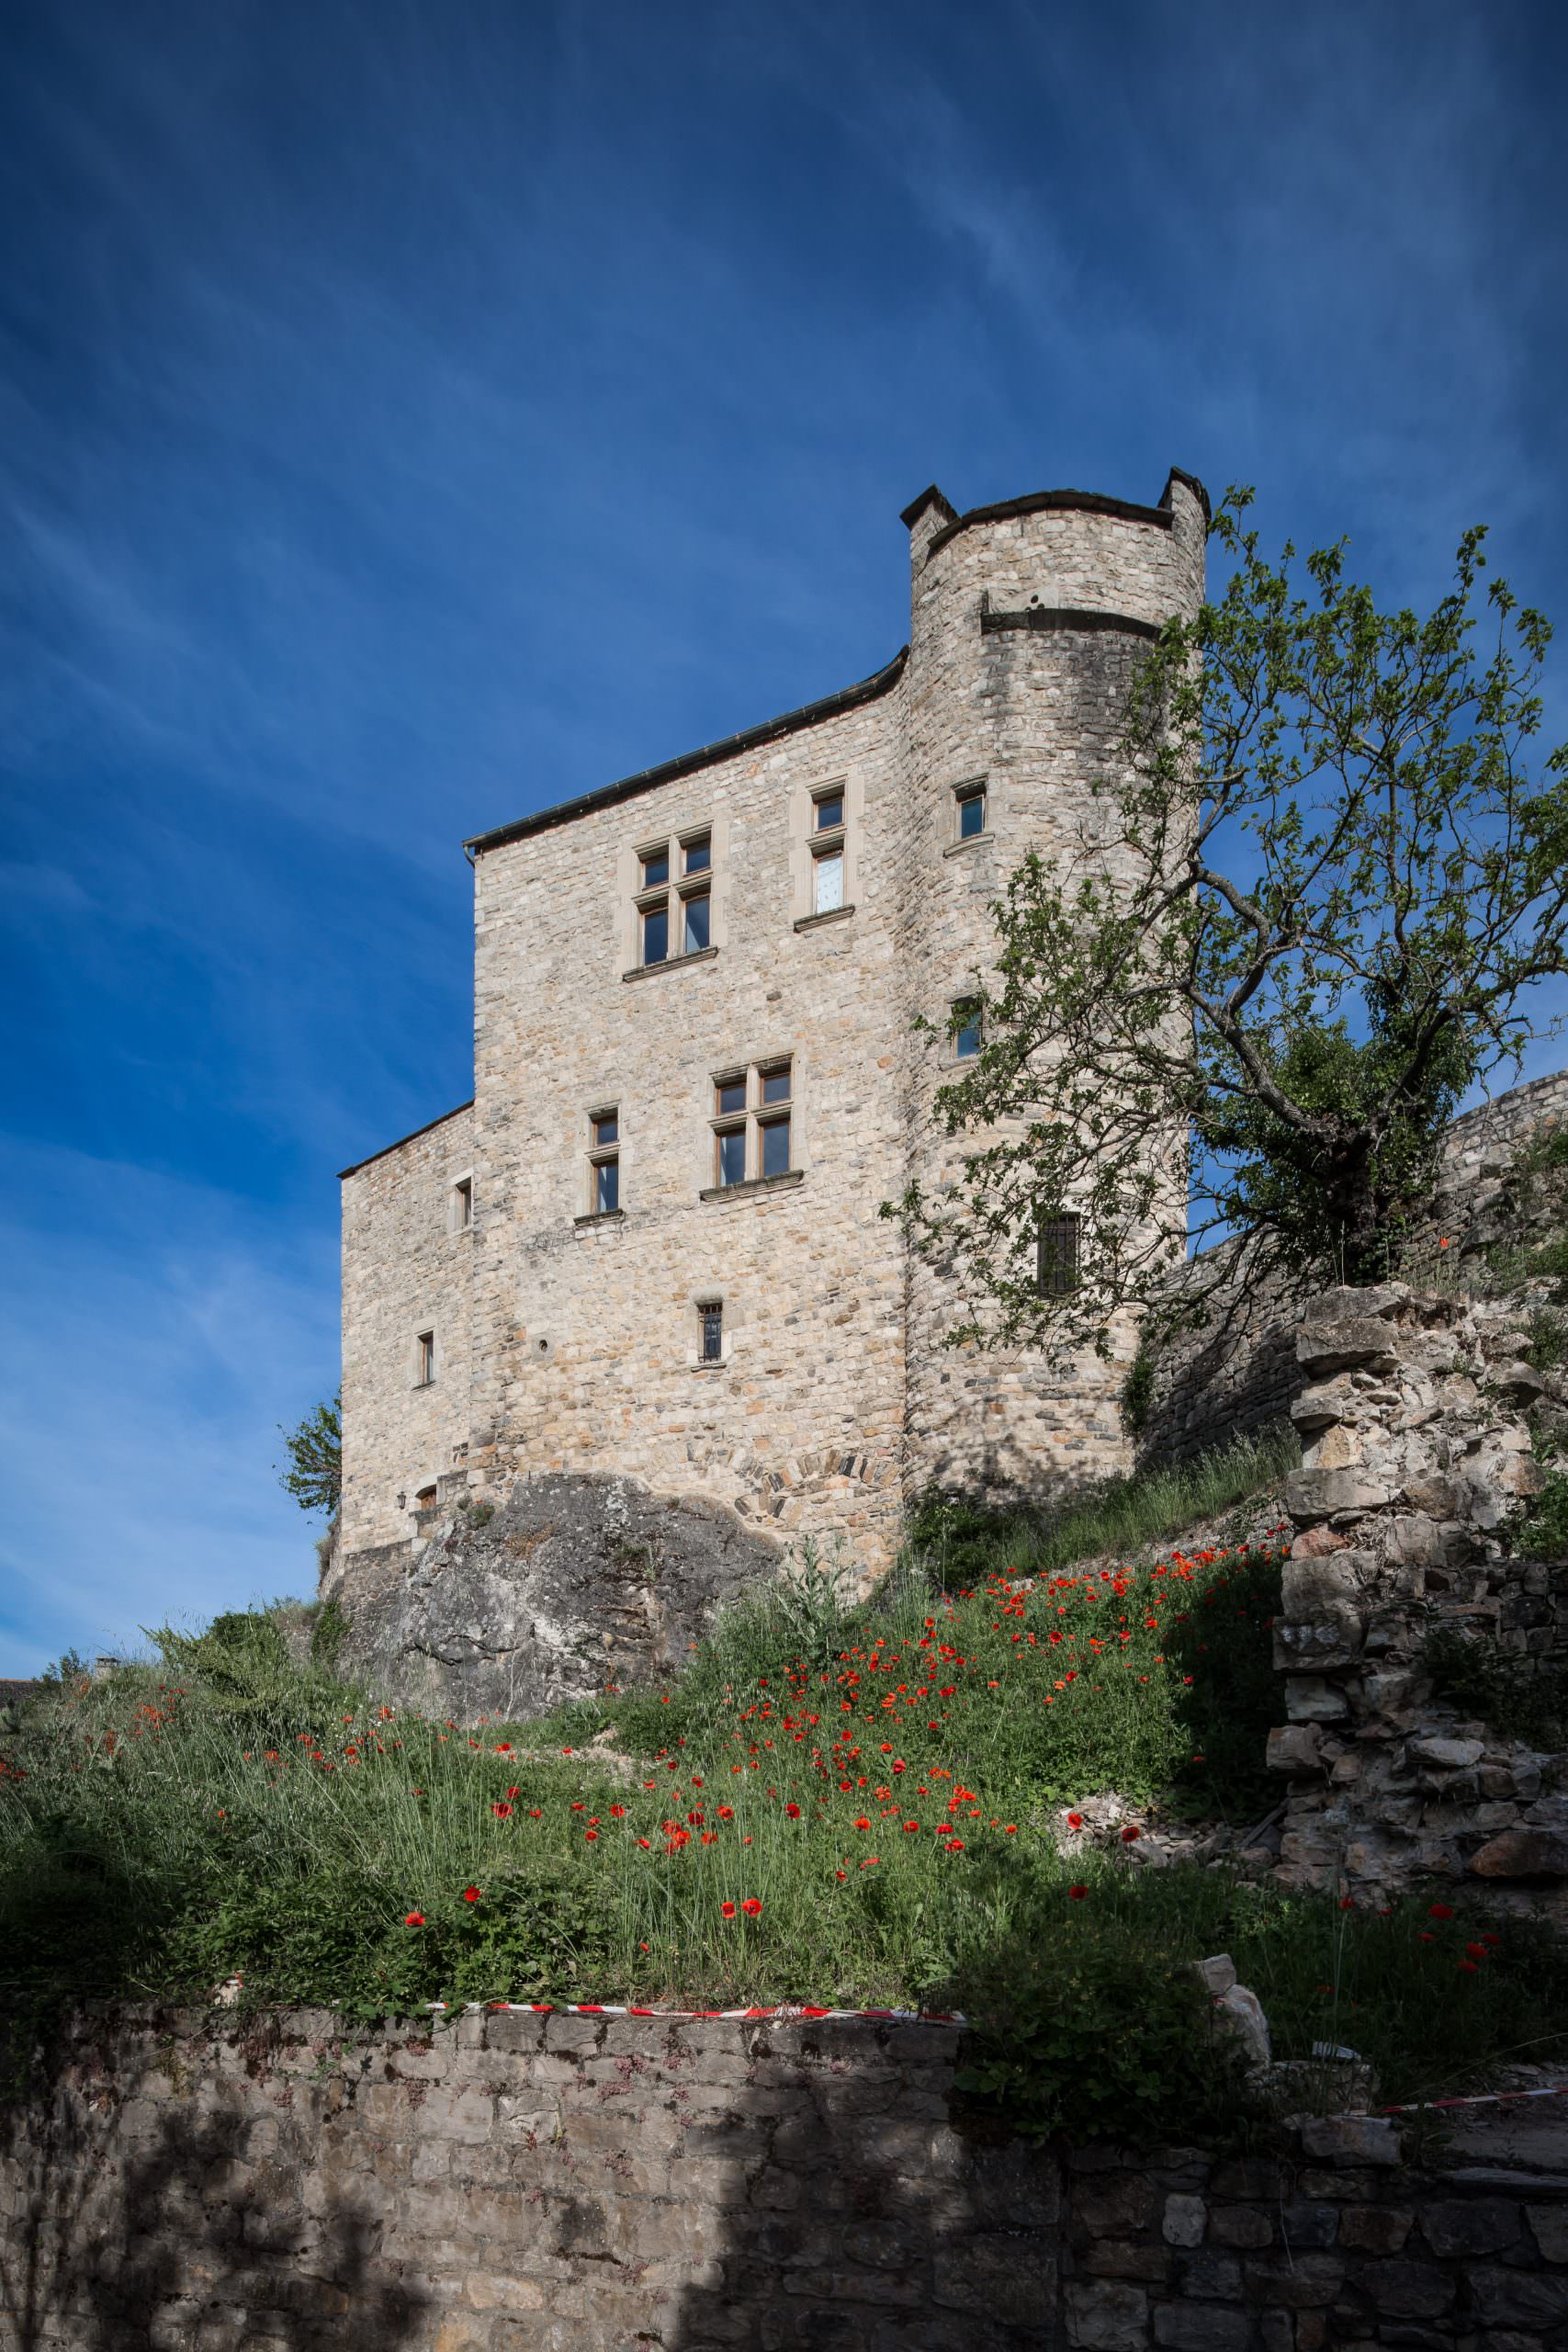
[{"x": 1416, "y": 1457}]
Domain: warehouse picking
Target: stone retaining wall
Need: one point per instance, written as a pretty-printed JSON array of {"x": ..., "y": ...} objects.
[{"x": 515, "y": 2182}]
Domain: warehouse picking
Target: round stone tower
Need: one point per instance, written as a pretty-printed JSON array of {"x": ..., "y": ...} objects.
[{"x": 1028, "y": 621}]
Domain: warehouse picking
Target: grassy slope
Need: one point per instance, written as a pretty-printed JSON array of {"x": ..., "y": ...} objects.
[{"x": 889, "y": 1788}]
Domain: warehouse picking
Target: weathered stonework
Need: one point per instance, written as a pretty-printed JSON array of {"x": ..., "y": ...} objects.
[
  {"x": 568, "y": 1343},
  {"x": 1415, "y": 1454},
  {"x": 517, "y": 2183}
]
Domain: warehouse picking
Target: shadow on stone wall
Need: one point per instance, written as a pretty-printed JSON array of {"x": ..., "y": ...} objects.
[{"x": 187, "y": 2243}]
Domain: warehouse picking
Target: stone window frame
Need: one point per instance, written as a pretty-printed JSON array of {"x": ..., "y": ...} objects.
[
  {"x": 733, "y": 1318},
  {"x": 810, "y": 841},
  {"x": 425, "y": 1335},
  {"x": 1058, "y": 1270},
  {"x": 682, "y": 885},
  {"x": 757, "y": 1112},
  {"x": 460, "y": 1202},
  {"x": 956, "y": 1058},
  {"x": 598, "y": 1155},
  {"x": 965, "y": 793}
]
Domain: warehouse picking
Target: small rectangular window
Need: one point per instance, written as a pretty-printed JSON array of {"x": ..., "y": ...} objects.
[
  {"x": 462, "y": 1203},
  {"x": 829, "y": 812},
  {"x": 775, "y": 1083},
  {"x": 775, "y": 1146},
  {"x": 606, "y": 1128},
  {"x": 655, "y": 868},
  {"x": 732, "y": 1156},
  {"x": 971, "y": 811},
  {"x": 425, "y": 1359},
  {"x": 656, "y": 935},
  {"x": 730, "y": 1093},
  {"x": 966, "y": 1039},
  {"x": 606, "y": 1187},
  {"x": 604, "y": 1161},
  {"x": 827, "y": 883},
  {"x": 1058, "y": 1271},
  {"x": 694, "y": 923},
  {"x": 697, "y": 856},
  {"x": 711, "y": 1320}
]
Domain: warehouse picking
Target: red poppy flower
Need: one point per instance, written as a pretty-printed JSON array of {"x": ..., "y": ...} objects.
[
  {"x": 413, "y": 1919},
  {"x": 751, "y": 1907},
  {"x": 1077, "y": 1894},
  {"x": 863, "y": 1823},
  {"x": 1075, "y": 1821},
  {"x": 1467, "y": 1968},
  {"x": 912, "y": 1827},
  {"x": 1476, "y": 1952},
  {"x": 470, "y": 1894},
  {"x": 793, "y": 1812},
  {"x": 1131, "y": 1835},
  {"x": 1439, "y": 1911},
  {"x": 500, "y": 1811},
  {"x": 727, "y": 1910},
  {"x": 591, "y": 1835}
]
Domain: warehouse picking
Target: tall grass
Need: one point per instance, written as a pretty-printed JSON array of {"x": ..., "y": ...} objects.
[
  {"x": 831, "y": 1806},
  {"x": 959, "y": 1542}
]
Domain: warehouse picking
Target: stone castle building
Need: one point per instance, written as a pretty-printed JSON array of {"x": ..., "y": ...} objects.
[{"x": 650, "y": 1249}]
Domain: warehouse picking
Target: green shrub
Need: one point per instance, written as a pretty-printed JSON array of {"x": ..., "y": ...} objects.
[
  {"x": 1138, "y": 1392},
  {"x": 1506, "y": 1692}
]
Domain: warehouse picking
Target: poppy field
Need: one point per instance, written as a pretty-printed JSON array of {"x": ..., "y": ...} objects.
[{"x": 873, "y": 1806}]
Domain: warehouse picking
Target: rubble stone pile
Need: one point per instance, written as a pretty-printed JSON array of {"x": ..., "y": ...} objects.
[{"x": 1417, "y": 1457}]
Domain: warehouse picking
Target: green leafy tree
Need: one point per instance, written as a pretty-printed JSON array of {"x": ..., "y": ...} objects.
[
  {"x": 1308, "y": 909},
  {"x": 313, "y": 1473}
]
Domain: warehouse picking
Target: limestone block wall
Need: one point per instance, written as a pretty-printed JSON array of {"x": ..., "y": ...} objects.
[
  {"x": 587, "y": 1333},
  {"x": 407, "y": 1268},
  {"x": 1416, "y": 1453},
  {"x": 1010, "y": 679},
  {"x": 518, "y": 2183}
]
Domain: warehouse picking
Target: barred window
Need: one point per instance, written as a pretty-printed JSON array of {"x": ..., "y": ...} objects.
[
  {"x": 711, "y": 1317},
  {"x": 1058, "y": 1260}
]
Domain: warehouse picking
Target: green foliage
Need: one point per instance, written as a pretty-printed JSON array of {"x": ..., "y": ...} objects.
[
  {"x": 1547, "y": 1349},
  {"x": 1334, "y": 889},
  {"x": 327, "y": 1634},
  {"x": 314, "y": 1446},
  {"x": 1095, "y": 2035},
  {"x": 1138, "y": 1393},
  {"x": 1508, "y": 1693},
  {"x": 961, "y": 1542},
  {"x": 1543, "y": 1532},
  {"x": 892, "y": 1802}
]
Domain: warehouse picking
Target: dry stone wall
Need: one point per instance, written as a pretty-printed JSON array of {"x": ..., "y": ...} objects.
[
  {"x": 1415, "y": 1454},
  {"x": 191, "y": 2182}
]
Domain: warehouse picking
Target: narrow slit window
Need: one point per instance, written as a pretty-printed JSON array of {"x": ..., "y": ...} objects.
[
  {"x": 425, "y": 1359},
  {"x": 967, "y": 1038},
  {"x": 971, "y": 811},
  {"x": 710, "y": 1320},
  {"x": 604, "y": 1161},
  {"x": 694, "y": 922},
  {"x": 1058, "y": 1271},
  {"x": 462, "y": 1204}
]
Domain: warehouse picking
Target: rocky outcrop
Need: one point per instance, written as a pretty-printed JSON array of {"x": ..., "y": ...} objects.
[
  {"x": 567, "y": 1584},
  {"x": 1416, "y": 1455}
]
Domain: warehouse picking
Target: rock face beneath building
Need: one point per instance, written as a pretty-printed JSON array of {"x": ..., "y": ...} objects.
[
  {"x": 1416, "y": 1455},
  {"x": 570, "y": 1582}
]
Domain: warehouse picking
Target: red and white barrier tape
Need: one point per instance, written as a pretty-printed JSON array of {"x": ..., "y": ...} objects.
[
  {"x": 1481, "y": 2099},
  {"x": 787, "y": 2013}
]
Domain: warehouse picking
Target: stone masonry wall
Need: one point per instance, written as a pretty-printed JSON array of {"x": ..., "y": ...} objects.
[
  {"x": 518, "y": 2183},
  {"x": 406, "y": 1268},
  {"x": 1415, "y": 1453}
]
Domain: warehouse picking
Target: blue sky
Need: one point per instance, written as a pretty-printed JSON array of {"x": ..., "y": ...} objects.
[{"x": 412, "y": 414}]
